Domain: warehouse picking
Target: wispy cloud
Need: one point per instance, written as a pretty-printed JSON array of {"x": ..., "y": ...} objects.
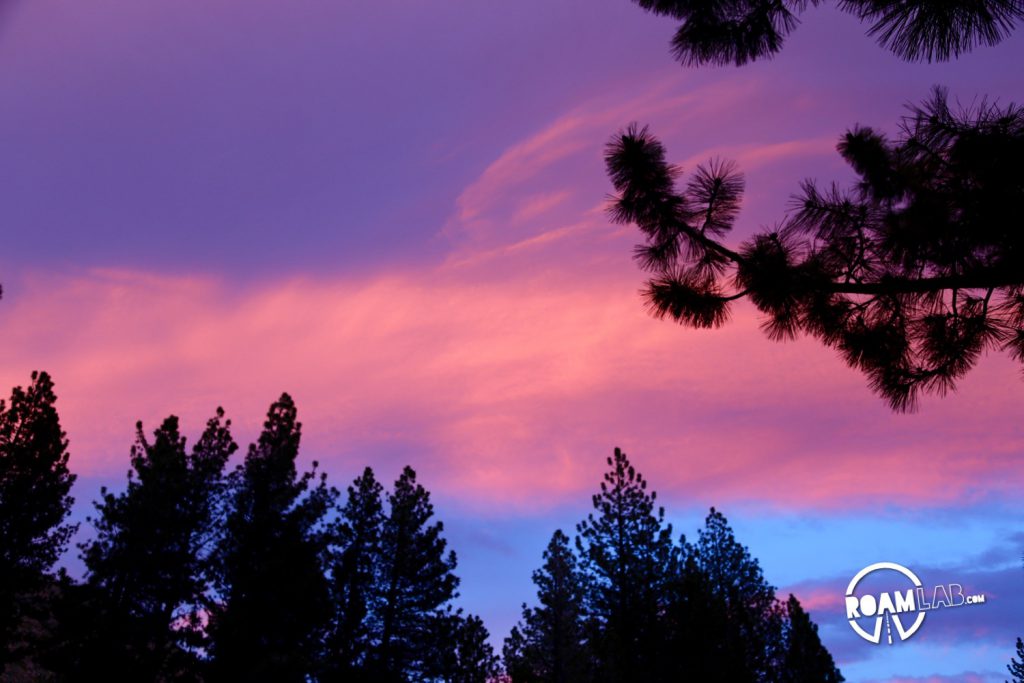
[{"x": 508, "y": 389}]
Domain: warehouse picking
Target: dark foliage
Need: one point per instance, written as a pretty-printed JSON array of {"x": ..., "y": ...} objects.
[
  {"x": 805, "y": 658},
  {"x": 749, "y": 620},
  {"x": 911, "y": 274},
  {"x": 391, "y": 589},
  {"x": 461, "y": 651},
  {"x": 34, "y": 502},
  {"x": 416, "y": 580},
  {"x": 1016, "y": 666},
  {"x": 631, "y": 604},
  {"x": 741, "y": 31},
  {"x": 549, "y": 644},
  {"x": 354, "y": 579},
  {"x": 627, "y": 556},
  {"x": 147, "y": 566},
  {"x": 271, "y": 561},
  {"x": 194, "y": 576}
]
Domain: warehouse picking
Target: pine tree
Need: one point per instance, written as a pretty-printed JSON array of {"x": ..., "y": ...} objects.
[
  {"x": 146, "y": 566},
  {"x": 1015, "y": 667},
  {"x": 741, "y": 31},
  {"x": 911, "y": 274},
  {"x": 271, "y": 561},
  {"x": 353, "y": 579},
  {"x": 416, "y": 578},
  {"x": 34, "y": 502},
  {"x": 697, "y": 629},
  {"x": 805, "y": 660},
  {"x": 548, "y": 644},
  {"x": 740, "y": 601},
  {"x": 462, "y": 653},
  {"x": 628, "y": 557}
]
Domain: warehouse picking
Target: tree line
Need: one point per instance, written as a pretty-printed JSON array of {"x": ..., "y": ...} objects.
[{"x": 197, "y": 571}]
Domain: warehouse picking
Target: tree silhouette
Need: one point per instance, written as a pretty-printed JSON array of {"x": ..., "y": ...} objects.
[
  {"x": 910, "y": 275},
  {"x": 805, "y": 660},
  {"x": 1016, "y": 668},
  {"x": 147, "y": 563},
  {"x": 549, "y": 644},
  {"x": 632, "y": 605},
  {"x": 271, "y": 561},
  {"x": 416, "y": 582},
  {"x": 461, "y": 651},
  {"x": 34, "y": 502},
  {"x": 354, "y": 579},
  {"x": 754, "y": 620},
  {"x": 741, "y": 31},
  {"x": 699, "y": 632},
  {"x": 627, "y": 554}
]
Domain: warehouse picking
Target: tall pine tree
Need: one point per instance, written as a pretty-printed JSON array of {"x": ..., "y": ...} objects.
[
  {"x": 548, "y": 644},
  {"x": 354, "y": 579},
  {"x": 461, "y": 651},
  {"x": 147, "y": 564},
  {"x": 739, "y": 602},
  {"x": 417, "y": 581},
  {"x": 805, "y": 660},
  {"x": 34, "y": 502},
  {"x": 271, "y": 561},
  {"x": 628, "y": 556}
]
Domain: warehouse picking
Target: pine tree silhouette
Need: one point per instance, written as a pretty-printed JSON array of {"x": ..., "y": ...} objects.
[
  {"x": 806, "y": 660},
  {"x": 741, "y": 31},
  {"x": 911, "y": 275},
  {"x": 271, "y": 561},
  {"x": 631, "y": 605},
  {"x": 34, "y": 502},
  {"x": 754, "y": 618},
  {"x": 354, "y": 580},
  {"x": 549, "y": 644},
  {"x": 1016, "y": 667},
  {"x": 461, "y": 651},
  {"x": 627, "y": 554},
  {"x": 147, "y": 563},
  {"x": 417, "y": 581}
]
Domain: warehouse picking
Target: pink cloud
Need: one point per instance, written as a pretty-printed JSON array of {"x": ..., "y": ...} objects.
[
  {"x": 503, "y": 390},
  {"x": 510, "y": 369}
]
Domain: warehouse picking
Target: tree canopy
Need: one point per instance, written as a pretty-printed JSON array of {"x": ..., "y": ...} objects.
[
  {"x": 632, "y": 604},
  {"x": 741, "y": 31},
  {"x": 911, "y": 274},
  {"x": 35, "y": 500},
  {"x": 1016, "y": 667},
  {"x": 148, "y": 564}
]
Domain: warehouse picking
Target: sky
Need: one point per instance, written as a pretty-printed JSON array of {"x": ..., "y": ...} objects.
[{"x": 395, "y": 211}]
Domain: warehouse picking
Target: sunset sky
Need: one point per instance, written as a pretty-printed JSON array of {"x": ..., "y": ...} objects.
[{"x": 395, "y": 211}]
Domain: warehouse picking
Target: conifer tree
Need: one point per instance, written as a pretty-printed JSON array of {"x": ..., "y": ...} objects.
[
  {"x": 271, "y": 561},
  {"x": 1015, "y": 667},
  {"x": 147, "y": 564},
  {"x": 753, "y": 619},
  {"x": 741, "y": 31},
  {"x": 354, "y": 579},
  {"x": 462, "y": 653},
  {"x": 806, "y": 660},
  {"x": 627, "y": 553},
  {"x": 548, "y": 644},
  {"x": 911, "y": 274},
  {"x": 417, "y": 581},
  {"x": 697, "y": 629},
  {"x": 34, "y": 502}
]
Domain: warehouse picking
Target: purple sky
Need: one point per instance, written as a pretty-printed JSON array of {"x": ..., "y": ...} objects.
[{"x": 393, "y": 210}]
